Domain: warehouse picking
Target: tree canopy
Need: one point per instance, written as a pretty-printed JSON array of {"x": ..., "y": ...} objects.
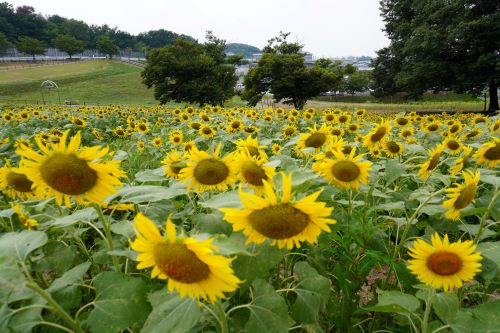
[
  {"x": 106, "y": 46},
  {"x": 69, "y": 44},
  {"x": 439, "y": 45},
  {"x": 31, "y": 46},
  {"x": 190, "y": 72},
  {"x": 282, "y": 72}
]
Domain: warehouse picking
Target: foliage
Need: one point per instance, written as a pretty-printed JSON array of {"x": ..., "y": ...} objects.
[
  {"x": 440, "y": 46},
  {"x": 282, "y": 72},
  {"x": 359, "y": 81},
  {"x": 31, "y": 46},
  {"x": 106, "y": 46},
  {"x": 191, "y": 72},
  {"x": 69, "y": 44},
  {"x": 4, "y": 43},
  {"x": 245, "y": 50}
]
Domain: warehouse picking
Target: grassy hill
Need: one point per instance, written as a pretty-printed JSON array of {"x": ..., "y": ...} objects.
[{"x": 242, "y": 49}]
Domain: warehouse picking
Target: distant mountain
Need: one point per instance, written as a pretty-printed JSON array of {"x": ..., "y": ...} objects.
[{"x": 242, "y": 49}]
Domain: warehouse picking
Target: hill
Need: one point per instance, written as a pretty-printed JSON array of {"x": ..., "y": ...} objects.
[{"x": 242, "y": 49}]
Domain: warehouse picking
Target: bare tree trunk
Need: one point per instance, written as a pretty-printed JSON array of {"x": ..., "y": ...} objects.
[{"x": 493, "y": 97}]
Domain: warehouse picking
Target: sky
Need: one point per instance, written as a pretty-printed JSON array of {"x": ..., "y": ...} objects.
[{"x": 327, "y": 28}]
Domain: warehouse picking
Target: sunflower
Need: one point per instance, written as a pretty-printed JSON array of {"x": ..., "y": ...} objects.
[
  {"x": 282, "y": 221},
  {"x": 24, "y": 219},
  {"x": 276, "y": 149},
  {"x": 234, "y": 125},
  {"x": 176, "y": 137},
  {"x": 252, "y": 171},
  {"x": 431, "y": 127},
  {"x": 206, "y": 131},
  {"x": 393, "y": 148},
  {"x": 251, "y": 146},
  {"x": 288, "y": 131},
  {"x": 190, "y": 266},
  {"x": 453, "y": 146},
  {"x": 460, "y": 162},
  {"x": 120, "y": 132},
  {"x": 431, "y": 163},
  {"x": 16, "y": 185},
  {"x": 80, "y": 122},
  {"x": 187, "y": 146},
  {"x": 66, "y": 171},
  {"x": 329, "y": 118},
  {"x": 157, "y": 141},
  {"x": 353, "y": 127},
  {"x": 336, "y": 131},
  {"x": 316, "y": 138},
  {"x": 461, "y": 195},
  {"x": 173, "y": 164},
  {"x": 195, "y": 125},
  {"x": 250, "y": 129},
  {"x": 142, "y": 128},
  {"x": 473, "y": 133},
  {"x": 140, "y": 145},
  {"x": 406, "y": 132},
  {"x": 376, "y": 135},
  {"x": 401, "y": 121},
  {"x": 443, "y": 264},
  {"x": 454, "y": 128},
  {"x": 209, "y": 173},
  {"x": 489, "y": 153},
  {"x": 344, "y": 171},
  {"x": 376, "y": 152}
]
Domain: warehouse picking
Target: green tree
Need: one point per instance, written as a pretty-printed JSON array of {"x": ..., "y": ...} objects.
[
  {"x": 191, "y": 72},
  {"x": 440, "y": 45},
  {"x": 31, "y": 46},
  {"x": 106, "y": 46},
  {"x": 4, "y": 43},
  {"x": 282, "y": 72},
  {"x": 358, "y": 81},
  {"x": 69, "y": 44}
]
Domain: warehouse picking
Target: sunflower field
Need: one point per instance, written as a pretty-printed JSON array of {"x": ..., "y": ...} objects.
[{"x": 151, "y": 219}]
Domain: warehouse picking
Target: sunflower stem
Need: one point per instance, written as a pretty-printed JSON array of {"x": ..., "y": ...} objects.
[
  {"x": 482, "y": 222},
  {"x": 224, "y": 328},
  {"x": 428, "y": 305},
  {"x": 107, "y": 232}
]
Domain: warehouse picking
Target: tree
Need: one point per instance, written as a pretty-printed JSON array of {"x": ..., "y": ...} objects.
[
  {"x": 440, "y": 45},
  {"x": 4, "y": 43},
  {"x": 106, "y": 46},
  {"x": 191, "y": 72},
  {"x": 31, "y": 46},
  {"x": 357, "y": 82},
  {"x": 282, "y": 72},
  {"x": 69, "y": 44}
]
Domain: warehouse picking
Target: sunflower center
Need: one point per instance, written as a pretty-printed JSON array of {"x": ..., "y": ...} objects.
[
  {"x": 195, "y": 126},
  {"x": 444, "y": 263},
  {"x": 433, "y": 127},
  {"x": 235, "y": 125},
  {"x": 343, "y": 119},
  {"x": 453, "y": 145},
  {"x": 207, "y": 130},
  {"x": 179, "y": 263},
  {"x": 210, "y": 171},
  {"x": 315, "y": 140},
  {"x": 279, "y": 221},
  {"x": 330, "y": 117},
  {"x": 19, "y": 182},
  {"x": 493, "y": 153},
  {"x": 454, "y": 128},
  {"x": 289, "y": 131},
  {"x": 393, "y": 147},
  {"x": 402, "y": 121},
  {"x": 466, "y": 196},
  {"x": 379, "y": 134},
  {"x": 345, "y": 171},
  {"x": 253, "y": 173},
  {"x": 68, "y": 174}
]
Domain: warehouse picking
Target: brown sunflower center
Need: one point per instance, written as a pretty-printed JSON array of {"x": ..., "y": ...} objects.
[
  {"x": 493, "y": 153},
  {"x": 179, "y": 263},
  {"x": 402, "y": 121},
  {"x": 235, "y": 124},
  {"x": 433, "y": 127},
  {"x": 210, "y": 171},
  {"x": 19, "y": 182},
  {"x": 453, "y": 145},
  {"x": 379, "y": 134},
  {"x": 353, "y": 127},
  {"x": 393, "y": 147},
  {"x": 207, "y": 130},
  {"x": 454, "y": 128},
  {"x": 444, "y": 263},
  {"x": 78, "y": 122},
  {"x": 345, "y": 171},
  {"x": 466, "y": 196},
  {"x": 336, "y": 132},
  {"x": 315, "y": 140},
  {"x": 253, "y": 173},
  {"x": 330, "y": 117},
  {"x": 289, "y": 131},
  {"x": 195, "y": 126},
  {"x": 142, "y": 127},
  {"x": 68, "y": 174},
  {"x": 343, "y": 119},
  {"x": 279, "y": 221},
  {"x": 177, "y": 139}
]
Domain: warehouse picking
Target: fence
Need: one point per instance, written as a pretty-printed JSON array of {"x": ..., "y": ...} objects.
[{"x": 13, "y": 55}]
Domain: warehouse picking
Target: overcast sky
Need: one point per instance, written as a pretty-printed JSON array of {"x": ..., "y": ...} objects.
[{"x": 327, "y": 27}]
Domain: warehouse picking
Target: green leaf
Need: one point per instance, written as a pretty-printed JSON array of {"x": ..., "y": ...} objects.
[
  {"x": 171, "y": 314},
  {"x": 480, "y": 319},
  {"x": 473, "y": 229},
  {"x": 120, "y": 303},
  {"x": 395, "y": 205},
  {"x": 393, "y": 170},
  {"x": 229, "y": 199},
  {"x": 148, "y": 193},
  {"x": 231, "y": 245},
  {"x": 268, "y": 310},
  {"x": 151, "y": 175},
  {"x": 490, "y": 250},
  {"x": 395, "y": 301},
  {"x": 69, "y": 278},
  {"x": 84, "y": 215},
  {"x": 257, "y": 265},
  {"x": 123, "y": 228},
  {"x": 12, "y": 282},
  {"x": 19, "y": 245},
  {"x": 306, "y": 307},
  {"x": 446, "y": 306},
  {"x": 212, "y": 223}
]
